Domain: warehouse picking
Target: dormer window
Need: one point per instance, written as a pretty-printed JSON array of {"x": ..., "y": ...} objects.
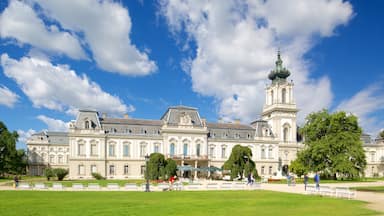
[{"x": 86, "y": 125}]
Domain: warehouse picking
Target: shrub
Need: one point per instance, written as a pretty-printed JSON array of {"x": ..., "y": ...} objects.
[
  {"x": 60, "y": 173},
  {"x": 97, "y": 176},
  {"x": 49, "y": 173}
]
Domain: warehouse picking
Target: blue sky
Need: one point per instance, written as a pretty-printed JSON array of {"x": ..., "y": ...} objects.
[{"x": 140, "y": 57}]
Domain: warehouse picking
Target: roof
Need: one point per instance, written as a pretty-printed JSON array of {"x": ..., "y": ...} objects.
[
  {"x": 131, "y": 121},
  {"x": 211, "y": 125}
]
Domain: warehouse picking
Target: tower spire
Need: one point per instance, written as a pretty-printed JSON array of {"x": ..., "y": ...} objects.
[{"x": 280, "y": 72}]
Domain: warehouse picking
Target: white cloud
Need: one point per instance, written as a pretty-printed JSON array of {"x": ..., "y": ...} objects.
[
  {"x": 364, "y": 104},
  {"x": 236, "y": 46},
  {"x": 57, "y": 87},
  {"x": 19, "y": 21},
  {"x": 105, "y": 27},
  {"x": 23, "y": 137},
  {"x": 54, "y": 124},
  {"x": 7, "y": 97}
]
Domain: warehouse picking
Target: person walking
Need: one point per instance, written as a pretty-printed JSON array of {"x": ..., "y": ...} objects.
[
  {"x": 305, "y": 181},
  {"x": 16, "y": 181},
  {"x": 317, "y": 181}
]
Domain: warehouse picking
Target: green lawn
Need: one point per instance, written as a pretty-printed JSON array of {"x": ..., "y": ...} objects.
[
  {"x": 175, "y": 203},
  {"x": 379, "y": 189}
]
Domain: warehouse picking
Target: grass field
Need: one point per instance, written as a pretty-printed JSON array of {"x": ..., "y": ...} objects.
[{"x": 174, "y": 203}]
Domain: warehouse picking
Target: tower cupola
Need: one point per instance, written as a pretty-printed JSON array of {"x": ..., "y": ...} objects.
[{"x": 280, "y": 73}]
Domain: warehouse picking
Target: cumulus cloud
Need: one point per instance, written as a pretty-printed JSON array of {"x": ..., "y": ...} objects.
[
  {"x": 105, "y": 27},
  {"x": 364, "y": 104},
  {"x": 54, "y": 124},
  {"x": 236, "y": 46},
  {"x": 57, "y": 87},
  {"x": 23, "y": 137},
  {"x": 19, "y": 21},
  {"x": 7, "y": 97}
]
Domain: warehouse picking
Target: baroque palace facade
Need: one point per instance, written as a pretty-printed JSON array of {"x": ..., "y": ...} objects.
[{"x": 116, "y": 147}]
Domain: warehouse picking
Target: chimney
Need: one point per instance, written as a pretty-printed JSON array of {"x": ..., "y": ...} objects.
[
  {"x": 126, "y": 116},
  {"x": 103, "y": 115},
  {"x": 237, "y": 121}
]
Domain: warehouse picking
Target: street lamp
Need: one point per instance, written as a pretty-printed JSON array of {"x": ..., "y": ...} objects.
[{"x": 146, "y": 173}]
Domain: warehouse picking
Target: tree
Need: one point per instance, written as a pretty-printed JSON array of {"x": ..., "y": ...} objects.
[
  {"x": 332, "y": 145},
  {"x": 170, "y": 168},
  {"x": 49, "y": 173},
  {"x": 156, "y": 166},
  {"x": 297, "y": 167},
  {"x": 12, "y": 161},
  {"x": 240, "y": 163},
  {"x": 382, "y": 134},
  {"x": 60, "y": 173}
]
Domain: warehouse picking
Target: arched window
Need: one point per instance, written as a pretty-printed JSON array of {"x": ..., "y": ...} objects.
[
  {"x": 185, "y": 149},
  {"x": 285, "y": 134},
  {"x": 126, "y": 149},
  {"x": 198, "y": 150},
  {"x": 270, "y": 170},
  {"x": 262, "y": 170},
  {"x": 263, "y": 152},
  {"x": 270, "y": 151},
  {"x": 283, "y": 95},
  {"x": 172, "y": 149},
  {"x": 156, "y": 148},
  {"x": 86, "y": 124}
]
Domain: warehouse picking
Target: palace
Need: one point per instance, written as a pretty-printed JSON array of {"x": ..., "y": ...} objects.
[{"x": 116, "y": 147}]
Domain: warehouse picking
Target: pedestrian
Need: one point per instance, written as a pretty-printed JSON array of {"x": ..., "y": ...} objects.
[
  {"x": 171, "y": 181},
  {"x": 317, "y": 181},
  {"x": 288, "y": 180},
  {"x": 249, "y": 179},
  {"x": 16, "y": 181},
  {"x": 305, "y": 181}
]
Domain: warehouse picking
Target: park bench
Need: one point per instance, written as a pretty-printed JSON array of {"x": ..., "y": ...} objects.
[
  {"x": 226, "y": 185},
  {"x": 93, "y": 186},
  {"x": 178, "y": 186},
  {"x": 24, "y": 186},
  {"x": 345, "y": 192},
  {"x": 113, "y": 186},
  {"x": 130, "y": 186},
  {"x": 256, "y": 185},
  {"x": 57, "y": 186},
  {"x": 39, "y": 186},
  {"x": 326, "y": 191},
  {"x": 311, "y": 189},
  {"x": 163, "y": 186},
  {"x": 212, "y": 186},
  {"x": 194, "y": 186},
  {"x": 77, "y": 186},
  {"x": 238, "y": 185}
]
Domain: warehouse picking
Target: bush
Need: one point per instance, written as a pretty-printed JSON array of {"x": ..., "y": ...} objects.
[
  {"x": 60, "y": 173},
  {"x": 98, "y": 176},
  {"x": 49, "y": 173}
]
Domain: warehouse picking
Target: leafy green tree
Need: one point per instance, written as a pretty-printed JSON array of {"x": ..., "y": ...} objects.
[
  {"x": 49, "y": 173},
  {"x": 297, "y": 167},
  {"x": 156, "y": 166},
  {"x": 382, "y": 134},
  {"x": 240, "y": 163},
  {"x": 12, "y": 161},
  {"x": 332, "y": 145},
  {"x": 170, "y": 168}
]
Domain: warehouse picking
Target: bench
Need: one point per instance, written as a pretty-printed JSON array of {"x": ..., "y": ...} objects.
[
  {"x": 57, "y": 186},
  {"x": 194, "y": 186},
  {"x": 345, "y": 192},
  {"x": 113, "y": 186},
  {"x": 77, "y": 186},
  {"x": 311, "y": 189},
  {"x": 212, "y": 186},
  {"x": 130, "y": 186},
  {"x": 226, "y": 185},
  {"x": 40, "y": 186},
  {"x": 93, "y": 186},
  {"x": 238, "y": 185},
  {"x": 326, "y": 191},
  {"x": 24, "y": 186},
  {"x": 163, "y": 186}
]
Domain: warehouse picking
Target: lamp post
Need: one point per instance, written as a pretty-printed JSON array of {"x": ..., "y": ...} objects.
[{"x": 146, "y": 173}]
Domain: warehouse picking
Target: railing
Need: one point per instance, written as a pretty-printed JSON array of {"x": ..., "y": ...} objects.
[{"x": 187, "y": 157}]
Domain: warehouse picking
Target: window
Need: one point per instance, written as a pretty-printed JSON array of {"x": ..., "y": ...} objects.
[
  {"x": 143, "y": 151},
  {"x": 52, "y": 159},
  {"x": 60, "y": 149},
  {"x": 262, "y": 170},
  {"x": 262, "y": 152},
  {"x": 93, "y": 149},
  {"x": 81, "y": 169},
  {"x": 156, "y": 148},
  {"x": 81, "y": 149},
  {"x": 172, "y": 149},
  {"x": 211, "y": 151},
  {"x": 111, "y": 169},
  {"x": 270, "y": 170},
  {"x": 223, "y": 152},
  {"x": 285, "y": 134},
  {"x": 185, "y": 149},
  {"x": 373, "y": 156},
  {"x": 126, "y": 168},
  {"x": 86, "y": 124},
  {"x": 198, "y": 150},
  {"x": 272, "y": 97},
  {"x": 270, "y": 151},
  {"x": 60, "y": 161},
  {"x": 126, "y": 150},
  {"x": 93, "y": 169},
  {"x": 112, "y": 150},
  {"x": 283, "y": 95}
]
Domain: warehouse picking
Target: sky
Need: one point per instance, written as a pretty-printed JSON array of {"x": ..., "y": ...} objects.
[{"x": 140, "y": 57}]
